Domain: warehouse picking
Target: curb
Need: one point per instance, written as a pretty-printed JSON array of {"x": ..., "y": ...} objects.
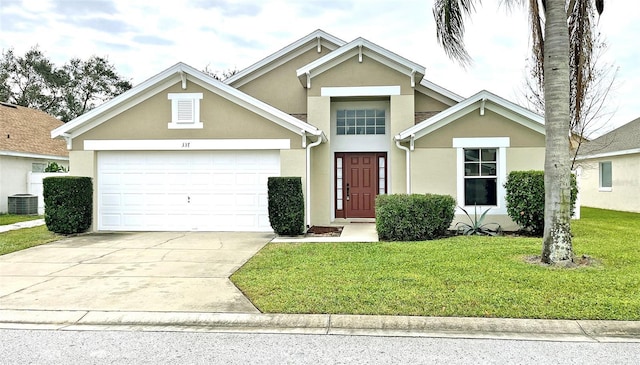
[{"x": 325, "y": 324}]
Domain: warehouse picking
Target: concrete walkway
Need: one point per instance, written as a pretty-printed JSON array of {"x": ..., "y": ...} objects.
[
  {"x": 351, "y": 232},
  {"x": 19, "y": 225}
]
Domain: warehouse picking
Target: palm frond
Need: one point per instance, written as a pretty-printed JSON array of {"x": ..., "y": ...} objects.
[{"x": 449, "y": 17}]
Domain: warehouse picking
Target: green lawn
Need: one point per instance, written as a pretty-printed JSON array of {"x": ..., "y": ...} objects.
[
  {"x": 15, "y": 218},
  {"x": 20, "y": 239},
  {"x": 458, "y": 276}
]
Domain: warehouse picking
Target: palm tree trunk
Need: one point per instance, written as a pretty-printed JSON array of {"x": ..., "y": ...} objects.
[{"x": 556, "y": 245}]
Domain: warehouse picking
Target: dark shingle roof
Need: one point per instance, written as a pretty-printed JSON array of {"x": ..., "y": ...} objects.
[
  {"x": 626, "y": 137},
  {"x": 29, "y": 131}
]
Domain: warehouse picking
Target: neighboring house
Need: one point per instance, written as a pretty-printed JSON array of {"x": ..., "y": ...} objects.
[
  {"x": 26, "y": 146},
  {"x": 183, "y": 151},
  {"x": 611, "y": 169}
]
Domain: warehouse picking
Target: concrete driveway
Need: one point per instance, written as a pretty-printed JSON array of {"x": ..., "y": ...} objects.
[{"x": 150, "y": 271}]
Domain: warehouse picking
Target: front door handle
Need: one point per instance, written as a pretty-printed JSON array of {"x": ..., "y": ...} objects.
[{"x": 348, "y": 195}]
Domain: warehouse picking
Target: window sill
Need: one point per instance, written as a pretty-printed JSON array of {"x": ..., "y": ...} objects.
[
  {"x": 605, "y": 190},
  {"x": 185, "y": 125}
]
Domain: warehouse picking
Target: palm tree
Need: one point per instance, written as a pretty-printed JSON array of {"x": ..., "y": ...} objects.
[{"x": 551, "y": 52}]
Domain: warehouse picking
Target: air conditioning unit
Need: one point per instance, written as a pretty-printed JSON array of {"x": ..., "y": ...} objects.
[{"x": 23, "y": 204}]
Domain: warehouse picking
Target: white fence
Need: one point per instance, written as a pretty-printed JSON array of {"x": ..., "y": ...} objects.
[
  {"x": 34, "y": 185},
  {"x": 578, "y": 173}
]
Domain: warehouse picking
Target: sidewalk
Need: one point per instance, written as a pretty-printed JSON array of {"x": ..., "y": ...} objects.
[
  {"x": 27, "y": 224},
  {"x": 319, "y": 324}
]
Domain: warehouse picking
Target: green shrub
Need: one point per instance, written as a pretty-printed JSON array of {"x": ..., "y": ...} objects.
[
  {"x": 415, "y": 217},
  {"x": 54, "y": 167},
  {"x": 286, "y": 205},
  {"x": 68, "y": 203},
  {"x": 525, "y": 199}
]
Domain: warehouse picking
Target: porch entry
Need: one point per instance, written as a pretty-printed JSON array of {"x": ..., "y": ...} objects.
[{"x": 359, "y": 178}]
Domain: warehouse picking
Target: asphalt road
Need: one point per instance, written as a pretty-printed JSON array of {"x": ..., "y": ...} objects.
[{"x": 111, "y": 347}]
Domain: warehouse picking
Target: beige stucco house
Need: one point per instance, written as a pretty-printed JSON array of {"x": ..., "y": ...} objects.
[
  {"x": 25, "y": 147},
  {"x": 183, "y": 151},
  {"x": 610, "y": 177}
]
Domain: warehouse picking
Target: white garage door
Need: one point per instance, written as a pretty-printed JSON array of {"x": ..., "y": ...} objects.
[{"x": 185, "y": 190}]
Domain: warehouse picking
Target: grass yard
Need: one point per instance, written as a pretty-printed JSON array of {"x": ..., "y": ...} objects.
[
  {"x": 20, "y": 239},
  {"x": 15, "y": 218},
  {"x": 458, "y": 276}
]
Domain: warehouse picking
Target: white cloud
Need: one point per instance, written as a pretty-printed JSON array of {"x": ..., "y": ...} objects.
[{"x": 144, "y": 38}]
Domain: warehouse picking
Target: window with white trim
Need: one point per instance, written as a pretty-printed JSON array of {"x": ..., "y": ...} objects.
[
  {"x": 606, "y": 182},
  {"x": 185, "y": 110},
  {"x": 360, "y": 121},
  {"x": 480, "y": 176},
  {"x": 482, "y": 172}
]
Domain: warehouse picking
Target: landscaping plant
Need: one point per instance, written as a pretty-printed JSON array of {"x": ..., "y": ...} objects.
[
  {"x": 68, "y": 203},
  {"x": 415, "y": 217},
  {"x": 476, "y": 226},
  {"x": 286, "y": 205},
  {"x": 525, "y": 199}
]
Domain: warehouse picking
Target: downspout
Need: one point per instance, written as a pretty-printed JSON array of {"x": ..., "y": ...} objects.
[
  {"x": 308, "y": 178},
  {"x": 408, "y": 162}
]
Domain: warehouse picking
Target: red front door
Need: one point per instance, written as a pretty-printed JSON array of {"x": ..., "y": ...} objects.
[{"x": 358, "y": 182}]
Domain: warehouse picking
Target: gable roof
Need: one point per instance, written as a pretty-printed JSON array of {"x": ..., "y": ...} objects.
[
  {"x": 622, "y": 140},
  {"x": 316, "y": 39},
  {"x": 362, "y": 47},
  {"x": 481, "y": 100},
  {"x": 438, "y": 92},
  {"x": 27, "y": 132},
  {"x": 177, "y": 73}
]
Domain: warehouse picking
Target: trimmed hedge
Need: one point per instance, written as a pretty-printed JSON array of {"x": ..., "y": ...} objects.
[
  {"x": 286, "y": 205},
  {"x": 525, "y": 199},
  {"x": 415, "y": 217},
  {"x": 68, "y": 203}
]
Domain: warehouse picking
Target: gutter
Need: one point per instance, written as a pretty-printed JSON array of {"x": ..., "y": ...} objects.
[
  {"x": 407, "y": 151},
  {"x": 321, "y": 138}
]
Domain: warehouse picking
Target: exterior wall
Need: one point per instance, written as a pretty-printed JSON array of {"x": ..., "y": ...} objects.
[
  {"x": 85, "y": 164},
  {"x": 221, "y": 119},
  {"x": 402, "y": 116},
  {"x": 434, "y": 161},
  {"x": 473, "y": 125},
  {"x": 281, "y": 87},
  {"x": 352, "y": 73},
  {"x": 426, "y": 103},
  {"x": 14, "y": 176},
  {"x": 319, "y": 114},
  {"x": 625, "y": 176},
  {"x": 294, "y": 163}
]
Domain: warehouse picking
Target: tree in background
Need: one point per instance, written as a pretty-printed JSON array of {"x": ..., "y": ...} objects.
[
  {"x": 220, "y": 75},
  {"x": 65, "y": 92},
  {"x": 591, "y": 80},
  {"x": 551, "y": 50}
]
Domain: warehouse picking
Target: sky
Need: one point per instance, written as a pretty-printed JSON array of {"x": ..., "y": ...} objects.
[{"x": 144, "y": 37}]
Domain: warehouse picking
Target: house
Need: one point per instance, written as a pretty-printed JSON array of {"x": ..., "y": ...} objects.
[
  {"x": 183, "y": 151},
  {"x": 611, "y": 169},
  {"x": 26, "y": 146}
]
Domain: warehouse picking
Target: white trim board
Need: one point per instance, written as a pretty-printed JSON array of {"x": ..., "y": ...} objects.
[
  {"x": 360, "y": 91},
  {"x": 186, "y": 144},
  {"x": 33, "y": 155},
  {"x": 609, "y": 154}
]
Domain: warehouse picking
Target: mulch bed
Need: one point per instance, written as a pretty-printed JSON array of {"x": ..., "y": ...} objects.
[{"x": 324, "y": 231}]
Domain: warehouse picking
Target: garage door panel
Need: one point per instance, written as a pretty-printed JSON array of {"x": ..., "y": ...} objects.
[{"x": 185, "y": 190}]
